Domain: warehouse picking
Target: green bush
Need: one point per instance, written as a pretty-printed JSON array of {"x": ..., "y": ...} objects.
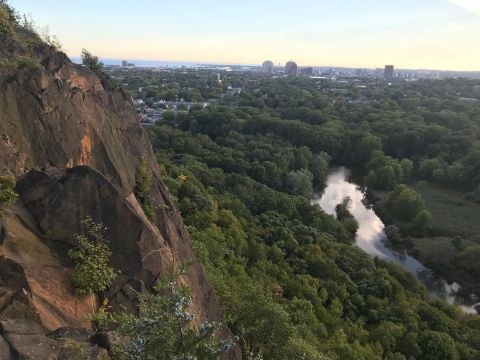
[
  {"x": 19, "y": 62},
  {"x": 405, "y": 203},
  {"x": 77, "y": 350},
  {"x": 438, "y": 346},
  {"x": 165, "y": 329},
  {"x": 393, "y": 234},
  {"x": 8, "y": 19},
  {"x": 345, "y": 216},
  {"x": 7, "y": 192},
  {"x": 93, "y": 273},
  {"x": 91, "y": 61},
  {"x": 142, "y": 188},
  {"x": 299, "y": 182}
]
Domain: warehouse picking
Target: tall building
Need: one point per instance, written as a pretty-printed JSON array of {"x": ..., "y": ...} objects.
[
  {"x": 388, "y": 73},
  {"x": 291, "y": 68},
  {"x": 267, "y": 67}
]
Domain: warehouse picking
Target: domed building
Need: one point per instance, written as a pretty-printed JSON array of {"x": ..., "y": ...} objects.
[
  {"x": 291, "y": 68},
  {"x": 267, "y": 67}
]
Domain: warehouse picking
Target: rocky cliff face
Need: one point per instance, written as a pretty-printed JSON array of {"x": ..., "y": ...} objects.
[{"x": 72, "y": 139}]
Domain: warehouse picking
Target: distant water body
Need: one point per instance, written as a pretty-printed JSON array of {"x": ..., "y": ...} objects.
[{"x": 160, "y": 63}]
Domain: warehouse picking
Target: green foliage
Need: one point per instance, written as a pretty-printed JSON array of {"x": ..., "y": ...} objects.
[
  {"x": 91, "y": 61},
  {"x": 457, "y": 242},
  {"x": 408, "y": 211},
  {"x": 407, "y": 167},
  {"x": 467, "y": 260},
  {"x": 285, "y": 272},
  {"x": 388, "y": 334},
  {"x": 43, "y": 33},
  {"x": 452, "y": 214},
  {"x": 429, "y": 167},
  {"x": 343, "y": 209},
  {"x": 7, "y": 192},
  {"x": 422, "y": 222},
  {"x": 144, "y": 178},
  {"x": 77, "y": 350},
  {"x": 143, "y": 187},
  {"x": 19, "y": 62},
  {"x": 345, "y": 217},
  {"x": 27, "y": 37},
  {"x": 101, "y": 319},
  {"x": 393, "y": 234},
  {"x": 405, "y": 203},
  {"x": 8, "y": 19},
  {"x": 91, "y": 257},
  {"x": 299, "y": 182},
  {"x": 367, "y": 146},
  {"x": 165, "y": 329},
  {"x": 290, "y": 283},
  {"x": 438, "y": 346},
  {"x": 386, "y": 178},
  {"x": 385, "y": 172},
  {"x": 289, "y": 280}
]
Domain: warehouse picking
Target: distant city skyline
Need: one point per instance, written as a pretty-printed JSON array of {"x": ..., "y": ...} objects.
[{"x": 412, "y": 34}]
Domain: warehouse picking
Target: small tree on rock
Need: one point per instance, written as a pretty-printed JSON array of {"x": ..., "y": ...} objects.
[
  {"x": 165, "y": 329},
  {"x": 7, "y": 192},
  {"x": 143, "y": 186},
  {"x": 93, "y": 272},
  {"x": 91, "y": 61}
]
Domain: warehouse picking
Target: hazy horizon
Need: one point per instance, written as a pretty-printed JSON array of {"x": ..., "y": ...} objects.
[
  {"x": 143, "y": 62},
  {"x": 422, "y": 34}
]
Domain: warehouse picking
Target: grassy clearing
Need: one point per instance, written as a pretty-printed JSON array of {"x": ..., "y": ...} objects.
[
  {"x": 437, "y": 250},
  {"x": 452, "y": 215},
  {"x": 439, "y": 254}
]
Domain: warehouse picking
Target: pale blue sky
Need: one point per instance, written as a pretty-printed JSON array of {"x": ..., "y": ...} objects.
[{"x": 437, "y": 34}]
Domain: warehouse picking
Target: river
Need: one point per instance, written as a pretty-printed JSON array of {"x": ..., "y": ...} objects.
[{"x": 371, "y": 237}]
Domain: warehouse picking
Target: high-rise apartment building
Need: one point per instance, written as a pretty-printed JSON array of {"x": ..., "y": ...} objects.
[
  {"x": 267, "y": 67},
  {"x": 388, "y": 73},
  {"x": 291, "y": 68}
]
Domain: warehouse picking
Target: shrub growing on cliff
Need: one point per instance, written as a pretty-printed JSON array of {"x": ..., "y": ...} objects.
[
  {"x": 8, "y": 19},
  {"x": 91, "y": 257},
  {"x": 91, "y": 61},
  {"x": 165, "y": 329},
  {"x": 7, "y": 192},
  {"x": 142, "y": 188}
]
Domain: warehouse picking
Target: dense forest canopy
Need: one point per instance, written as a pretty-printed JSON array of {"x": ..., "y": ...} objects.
[
  {"x": 243, "y": 169},
  {"x": 433, "y": 123}
]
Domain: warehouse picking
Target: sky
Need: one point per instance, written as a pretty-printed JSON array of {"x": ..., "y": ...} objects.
[{"x": 411, "y": 34}]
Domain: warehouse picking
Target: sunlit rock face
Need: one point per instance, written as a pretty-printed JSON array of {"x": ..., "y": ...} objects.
[{"x": 72, "y": 139}]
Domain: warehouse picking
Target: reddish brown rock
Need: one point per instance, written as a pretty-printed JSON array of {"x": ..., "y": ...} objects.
[
  {"x": 12, "y": 162},
  {"x": 79, "y": 133}
]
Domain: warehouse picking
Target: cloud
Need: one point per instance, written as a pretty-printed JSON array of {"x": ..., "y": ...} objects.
[{"x": 469, "y": 5}]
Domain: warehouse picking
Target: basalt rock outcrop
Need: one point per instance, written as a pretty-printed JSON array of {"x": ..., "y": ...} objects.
[{"x": 72, "y": 139}]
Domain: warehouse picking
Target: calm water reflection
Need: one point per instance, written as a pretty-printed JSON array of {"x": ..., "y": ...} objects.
[{"x": 371, "y": 235}]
